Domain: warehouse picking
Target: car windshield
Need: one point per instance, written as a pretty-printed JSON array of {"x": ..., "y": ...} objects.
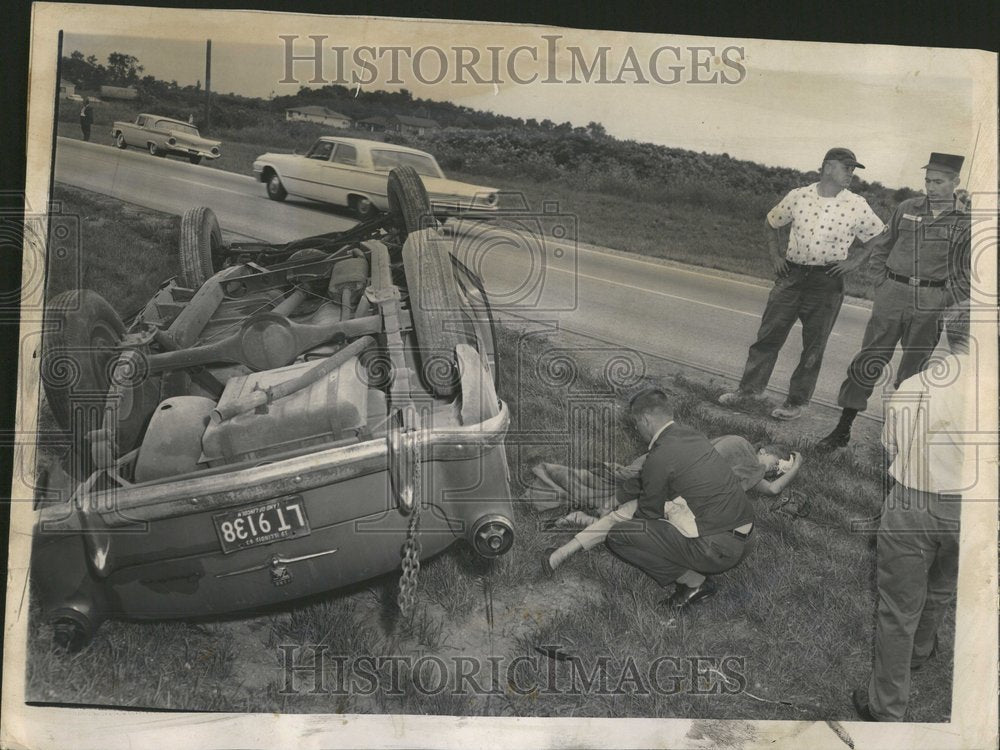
[
  {"x": 384, "y": 160},
  {"x": 180, "y": 127}
]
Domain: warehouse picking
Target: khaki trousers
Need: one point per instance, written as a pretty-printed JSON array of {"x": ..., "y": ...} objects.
[{"x": 917, "y": 575}]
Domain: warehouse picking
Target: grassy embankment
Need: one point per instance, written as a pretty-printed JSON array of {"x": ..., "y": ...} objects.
[
  {"x": 798, "y": 611},
  {"x": 704, "y": 210}
]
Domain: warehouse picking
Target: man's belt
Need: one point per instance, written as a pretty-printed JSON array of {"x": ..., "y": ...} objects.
[
  {"x": 915, "y": 281},
  {"x": 807, "y": 266}
]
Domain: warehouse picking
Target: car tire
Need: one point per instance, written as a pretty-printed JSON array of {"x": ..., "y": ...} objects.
[
  {"x": 154, "y": 151},
  {"x": 120, "y": 141},
  {"x": 275, "y": 190},
  {"x": 438, "y": 309},
  {"x": 408, "y": 201},
  {"x": 202, "y": 251},
  {"x": 77, "y": 354},
  {"x": 195, "y": 159}
]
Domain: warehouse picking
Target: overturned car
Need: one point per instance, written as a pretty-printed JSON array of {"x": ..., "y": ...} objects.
[{"x": 279, "y": 420}]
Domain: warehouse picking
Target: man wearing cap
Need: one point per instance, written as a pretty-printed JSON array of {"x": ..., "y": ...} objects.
[
  {"x": 922, "y": 267},
  {"x": 825, "y": 219}
]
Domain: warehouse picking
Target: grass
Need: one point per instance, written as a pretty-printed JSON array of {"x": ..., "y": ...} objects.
[
  {"x": 119, "y": 250},
  {"x": 787, "y": 637}
]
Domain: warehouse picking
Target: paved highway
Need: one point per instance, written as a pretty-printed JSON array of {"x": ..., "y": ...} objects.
[{"x": 685, "y": 314}]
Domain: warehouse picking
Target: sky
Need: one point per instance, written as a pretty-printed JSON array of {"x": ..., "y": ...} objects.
[{"x": 793, "y": 101}]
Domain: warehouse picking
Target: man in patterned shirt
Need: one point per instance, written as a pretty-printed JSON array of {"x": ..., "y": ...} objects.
[{"x": 825, "y": 219}]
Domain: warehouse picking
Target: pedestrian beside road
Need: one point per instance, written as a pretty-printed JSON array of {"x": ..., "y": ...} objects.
[
  {"x": 709, "y": 518},
  {"x": 926, "y": 421},
  {"x": 826, "y": 218},
  {"x": 922, "y": 268},
  {"x": 86, "y": 118}
]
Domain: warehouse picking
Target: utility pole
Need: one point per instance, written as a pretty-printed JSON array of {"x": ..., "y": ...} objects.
[{"x": 208, "y": 85}]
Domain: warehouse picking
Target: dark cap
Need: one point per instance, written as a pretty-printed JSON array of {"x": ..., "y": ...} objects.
[
  {"x": 945, "y": 162},
  {"x": 845, "y": 156}
]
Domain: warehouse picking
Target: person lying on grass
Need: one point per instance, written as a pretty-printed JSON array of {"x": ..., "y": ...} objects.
[{"x": 767, "y": 470}]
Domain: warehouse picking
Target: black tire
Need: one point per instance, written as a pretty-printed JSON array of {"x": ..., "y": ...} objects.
[
  {"x": 120, "y": 140},
  {"x": 195, "y": 158},
  {"x": 408, "y": 201},
  {"x": 154, "y": 151},
  {"x": 202, "y": 251},
  {"x": 437, "y": 307},
  {"x": 275, "y": 190},
  {"x": 77, "y": 351}
]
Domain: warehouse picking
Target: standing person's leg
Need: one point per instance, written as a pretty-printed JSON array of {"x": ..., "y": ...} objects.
[
  {"x": 903, "y": 560},
  {"x": 818, "y": 313},
  {"x": 942, "y": 577},
  {"x": 921, "y": 331},
  {"x": 885, "y": 326},
  {"x": 942, "y": 580},
  {"x": 779, "y": 316}
]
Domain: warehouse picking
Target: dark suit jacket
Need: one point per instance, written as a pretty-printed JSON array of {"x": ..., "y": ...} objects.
[{"x": 683, "y": 462}]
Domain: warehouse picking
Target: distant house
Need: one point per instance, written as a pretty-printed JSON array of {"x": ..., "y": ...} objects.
[
  {"x": 322, "y": 115},
  {"x": 373, "y": 124},
  {"x": 404, "y": 124},
  {"x": 413, "y": 125},
  {"x": 119, "y": 92},
  {"x": 66, "y": 88}
]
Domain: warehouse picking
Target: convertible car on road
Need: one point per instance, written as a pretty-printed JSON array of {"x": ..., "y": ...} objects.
[
  {"x": 277, "y": 421},
  {"x": 353, "y": 172},
  {"x": 164, "y": 135}
]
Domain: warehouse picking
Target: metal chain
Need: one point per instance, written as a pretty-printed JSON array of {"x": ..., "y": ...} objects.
[{"x": 407, "y": 598}]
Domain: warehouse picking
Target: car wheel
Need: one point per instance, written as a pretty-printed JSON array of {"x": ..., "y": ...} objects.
[
  {"x": 275, "y": 190},
  {"x": 120, "y": 141},
  {"x": 438, "y": 309},
  {"x": 77, "y": 353},
  {"x": 363, "y": 208},
  {"x": 202, "y": 251},
  {"x": 408, "y": 201},
  {"x": 154, "y": 151},
  {"x": 195, "y": 159}
]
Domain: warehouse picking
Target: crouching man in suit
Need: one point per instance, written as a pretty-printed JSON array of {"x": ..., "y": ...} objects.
[{"x": 709, "y": 519}]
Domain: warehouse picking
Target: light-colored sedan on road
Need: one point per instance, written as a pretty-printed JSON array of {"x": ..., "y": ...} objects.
[
  {"x": 354, "y": 172},
  {"x": 164, "y": 135}
]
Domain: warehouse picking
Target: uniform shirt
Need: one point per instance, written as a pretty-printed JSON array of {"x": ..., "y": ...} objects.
[
  {"x": 741, "y": 457},
  {"x": 682, "y": 462},
  {"x": 917, "y": 244},
  {"x": 823, "y": 228},
  {"x": 927, "y": 428}
]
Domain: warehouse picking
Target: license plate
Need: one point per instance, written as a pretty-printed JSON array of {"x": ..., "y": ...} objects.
[{"x": 283, "y": 518}]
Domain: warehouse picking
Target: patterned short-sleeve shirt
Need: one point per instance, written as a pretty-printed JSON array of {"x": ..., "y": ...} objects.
[{"x": 823, "y": 228}]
